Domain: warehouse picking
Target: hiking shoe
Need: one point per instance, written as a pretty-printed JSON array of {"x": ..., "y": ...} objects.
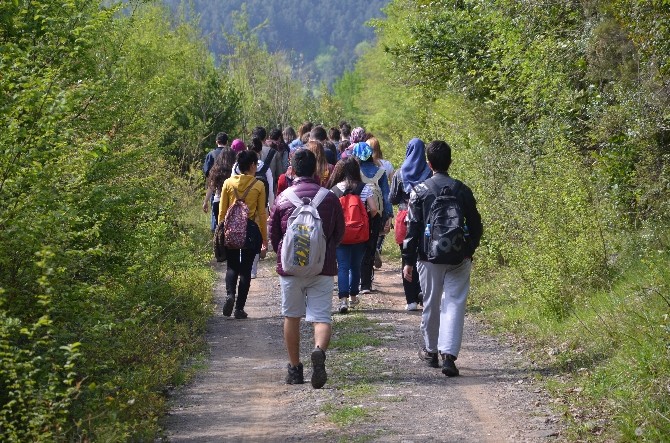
[
  {"x": 354, "y": 301},
  {"x": 448, "y": 366},
  {"x": 378, "y": 259},
  {"x": 319, "y": 375},
  {"x": 344, "y": 306},
  {"x": 295, "y": 375},
  {"x": 253, "y": 276},
  {"x": 228, "y": 306},
  {"x": 365, "y": 291},
  {"x": 240, "y": 314},
  {"x": 429, "y": 357},
  {"x": 412, "y": 307}
]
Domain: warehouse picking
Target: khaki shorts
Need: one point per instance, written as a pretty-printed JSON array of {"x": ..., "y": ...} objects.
[{"x": 309, "y": 297}]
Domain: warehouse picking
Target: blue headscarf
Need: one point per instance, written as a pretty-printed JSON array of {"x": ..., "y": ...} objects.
[{"x": 414, "y": 169}]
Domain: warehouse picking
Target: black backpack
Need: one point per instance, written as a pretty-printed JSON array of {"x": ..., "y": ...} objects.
[
  {"x": 260, "y": 173},
  {"x": 445, "y": 236}
]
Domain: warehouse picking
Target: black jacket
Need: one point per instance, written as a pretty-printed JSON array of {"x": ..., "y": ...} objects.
[{"x": 420, "y": 201}]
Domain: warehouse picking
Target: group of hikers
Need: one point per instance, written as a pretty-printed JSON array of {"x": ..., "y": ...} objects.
[{"x": 330, "y": 195}]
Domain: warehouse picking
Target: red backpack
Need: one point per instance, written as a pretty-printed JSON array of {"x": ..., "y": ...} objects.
[{"x": 356, "y": 222}]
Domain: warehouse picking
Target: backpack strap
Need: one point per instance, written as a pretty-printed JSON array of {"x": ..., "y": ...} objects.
[
  {"x": 337, "y": 191},
  {"x": 378, "y": 175},
  {"x": 318, "y": 198},
  {"x": 266, "y": 162},
  {"x": 244, "y": 196}
]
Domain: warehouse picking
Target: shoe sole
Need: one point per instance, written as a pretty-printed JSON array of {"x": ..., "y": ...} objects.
[
  {"x": 319, "y": 375},
  {"x": 228, "y": 306}
]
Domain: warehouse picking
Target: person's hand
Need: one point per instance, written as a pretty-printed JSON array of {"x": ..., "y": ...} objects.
[
  {"x": 205, "y": 206},
  {"x": 387, "y": 226},
  {"x": 407, "y": 272},
  {"x": 264, "y": 250}
]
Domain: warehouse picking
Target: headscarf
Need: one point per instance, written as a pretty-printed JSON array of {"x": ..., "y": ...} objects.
[
  {"x": 362, "y": 151},
  {"x": 357, "y": 135},
  {"x": 415, "y": 168},
  {"x": 237, "y": 145}
]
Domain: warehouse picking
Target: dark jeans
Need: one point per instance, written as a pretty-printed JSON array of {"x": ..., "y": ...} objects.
[
  {"x": 239, "y": 265},
  {"x": 215, "y": 212},
  {"x": 369, "y": 256},
  {"x": 412, "y": 288},
  {"x": 349, "y": 258}
]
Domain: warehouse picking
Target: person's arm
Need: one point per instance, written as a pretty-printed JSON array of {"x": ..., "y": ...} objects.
[
  {"x": 415, "y": 229},
  {"x": 473, "y": 220},
  {"x": 262, "y": 214},
  {"x": 275, "y": 227},
  {"x": 224, "y": 203},
  {"x": 205, "y": 203}
]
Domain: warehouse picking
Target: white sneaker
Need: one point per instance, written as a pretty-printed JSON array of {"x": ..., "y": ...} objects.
[
  {"x": 253, "y": 275},
  {"x": 344, "y": 306},
  {"x": 354, "y": 302},
  {"x": 365, "y": 291},
  {"x": 412, "y": 307}
]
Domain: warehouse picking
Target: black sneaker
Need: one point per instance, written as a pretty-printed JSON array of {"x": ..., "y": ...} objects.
[
  {"x": 228, "y": 306},
  {"x": 240, "y": 314},
  {"x": 448, "y": 366},
  {"x": 429, "y": 357},
  {"x": 319, "y": 375},
  {"x": 295, "y": 376}
]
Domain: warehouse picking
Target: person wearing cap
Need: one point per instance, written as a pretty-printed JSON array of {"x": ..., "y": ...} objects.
[
  {"x": 363, "y": 152},
  {"x": 221, "y": 142},
  {"x": 309, "y": 297}
]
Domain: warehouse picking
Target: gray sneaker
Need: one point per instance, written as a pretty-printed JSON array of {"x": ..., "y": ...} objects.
[
  {"x": 319, "y": 376},
  {"x": 431, "y": 358}
]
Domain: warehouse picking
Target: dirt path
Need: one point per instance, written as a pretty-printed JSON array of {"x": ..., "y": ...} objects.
[{"x": 241, "y": 395}]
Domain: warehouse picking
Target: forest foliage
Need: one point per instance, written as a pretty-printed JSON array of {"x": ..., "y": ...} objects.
[{"x": 558, "y": 116}]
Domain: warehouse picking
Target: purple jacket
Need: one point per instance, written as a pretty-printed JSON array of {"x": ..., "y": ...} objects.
[{"x": 332, "y": 220}]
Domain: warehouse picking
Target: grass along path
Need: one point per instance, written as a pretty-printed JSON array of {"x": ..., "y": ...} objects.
[{"x": 378, "y": 390}]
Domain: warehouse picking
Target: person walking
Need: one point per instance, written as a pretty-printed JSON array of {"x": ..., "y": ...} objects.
[
  {"x": 221, "y": 142},
  {"x": 377, "y": 178},
  {"x": 222, "y": 169},
  {"x": 247, "y": 188},
  {"x": 379, "y": 161},
  {"x": 413, "y": 171},
  {"x": 444, "y": 271},
  {"x": 345, "y": 180},
  {"x": 308, "y": 297}
]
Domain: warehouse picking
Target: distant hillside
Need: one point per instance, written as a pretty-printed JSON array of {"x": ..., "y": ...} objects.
[{"x": 320, "y": 36}]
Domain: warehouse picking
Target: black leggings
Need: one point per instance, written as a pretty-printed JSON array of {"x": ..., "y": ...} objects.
[
  {"x": 369, "y": 256},
  {"x": 239, "y": 265}
]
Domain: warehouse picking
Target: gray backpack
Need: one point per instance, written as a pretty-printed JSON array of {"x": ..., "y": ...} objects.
[{"x": 303, "y": 249}]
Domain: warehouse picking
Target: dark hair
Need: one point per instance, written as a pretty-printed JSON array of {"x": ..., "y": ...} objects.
[
  {"x": 304, "y": 163},
  {"x": 222, "y": 169},
  {"x": 305, "y": 128},
  {"x": 334, "y": 134},
  {"x": 221, "y": 138},
  {"x": 345, "y": 130},
  {"x": 256, "y": 145},
  {"x": 438, "y": 153},
  {"x": 318, "y": 133},
  {"x": 245, "y": 159},
  {"x": 289, "y": 134},
  {"x": 259, "y": 132},
  {"x": 347, "y": 170},
  {"x": 275, "y": 134}
]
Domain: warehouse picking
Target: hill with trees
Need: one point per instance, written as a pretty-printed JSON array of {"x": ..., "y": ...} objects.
[{"x": 321, "y": 38}]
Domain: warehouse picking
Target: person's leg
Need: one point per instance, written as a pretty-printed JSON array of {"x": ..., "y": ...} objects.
[
  {"x": 343, "y": 267},
  {"x": 318, "y": 312},
  {"x": 411, "y": 288},
  {"x": 368, "y": 257},
  {"x": 254, "y": 265},
  {"x": 215, "y": 212},
  {"x": 456, "y": 284},
  {"x": 432, "y": 282},
  {"x": 292, "y": 339},
  {"x": 357, "y": 253},
  {"x": 232, "y": 273},
  {"x": 246, "y": 261}
]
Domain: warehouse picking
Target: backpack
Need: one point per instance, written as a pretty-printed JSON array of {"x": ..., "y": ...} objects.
[
  {"x": 376, "y": 190},
  {"x": 356, "y": 220},
  {"x": 303, "y": 250},
  {"x": 444, "y": 239},
  {"x": 260, "y": 173},
  {"x": 235, "y": 221},
  {"x": 219, "y": 243}
]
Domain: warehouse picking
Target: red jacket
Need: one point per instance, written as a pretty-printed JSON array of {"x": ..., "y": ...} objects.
[{"x": 332, "y": 220}]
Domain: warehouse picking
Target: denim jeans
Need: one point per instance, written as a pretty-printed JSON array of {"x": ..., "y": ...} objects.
[
  {"x": 369, "y": 255},
  {"x": 349, "y": 258}
]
